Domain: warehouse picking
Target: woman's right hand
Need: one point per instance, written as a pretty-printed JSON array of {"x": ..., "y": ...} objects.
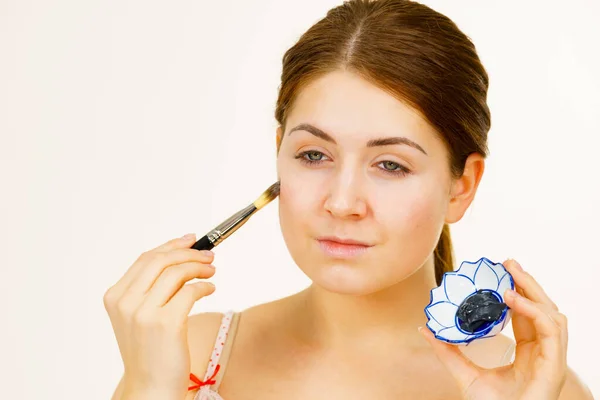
[{"x": 148, "y": 309}]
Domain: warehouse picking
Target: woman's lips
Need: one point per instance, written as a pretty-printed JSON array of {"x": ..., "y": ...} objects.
[{"x": 341, "y": 250}]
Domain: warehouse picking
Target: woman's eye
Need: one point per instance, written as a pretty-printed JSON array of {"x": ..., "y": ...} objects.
[
  {"x": 313, "y": 157},
  {"x": 393, "y": 166},
  {"x": 310, "y": 157},
  {"x": 314, "y": 153}
]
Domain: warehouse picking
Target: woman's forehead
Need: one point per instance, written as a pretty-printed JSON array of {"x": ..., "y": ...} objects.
[
  {"x": 349, "y": 108},
  {"x": 345, "y": 105}
]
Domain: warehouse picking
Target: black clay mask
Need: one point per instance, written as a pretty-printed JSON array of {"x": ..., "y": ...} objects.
[{"x": 479, "y": 310}]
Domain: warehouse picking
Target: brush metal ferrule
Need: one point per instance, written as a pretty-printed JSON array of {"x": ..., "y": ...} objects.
[{"x": 230, "y": 225}]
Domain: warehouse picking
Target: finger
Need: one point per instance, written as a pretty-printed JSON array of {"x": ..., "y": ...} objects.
[
  {"x": 547, "y": 323},
  {"x": 183, "y": 301},
  {"x": 126, "y": 280},
  {"x": 465, "y": 372},
  {"x": 523, "y": 327},
  {"x": 172, "y": 280},
  {"x": 177, "y": 243},
  {"x": 544, "y": 318},
  {"x": 532, "y": 289},
  {"x": 159, "y": 261}
]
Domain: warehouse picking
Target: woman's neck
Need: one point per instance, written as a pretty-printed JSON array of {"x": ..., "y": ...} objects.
[{"x": 330, "y": 320}]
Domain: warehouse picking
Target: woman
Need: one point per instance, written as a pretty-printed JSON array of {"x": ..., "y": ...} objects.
[{"x": 382, "y": 138}]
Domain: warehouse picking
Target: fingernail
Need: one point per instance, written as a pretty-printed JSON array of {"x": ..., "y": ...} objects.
[
  {"x": 189, "y": 236},
  {"x": 207, "y": 253},
  {"x": 515, "y": 262},
  {"x": 510, "y": 293}
]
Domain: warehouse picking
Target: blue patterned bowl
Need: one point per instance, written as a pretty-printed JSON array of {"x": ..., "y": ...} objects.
[{"x": 456, "y": 287}]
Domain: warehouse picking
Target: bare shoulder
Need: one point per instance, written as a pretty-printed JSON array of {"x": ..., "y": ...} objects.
[
  {"x": 574, "y": 388},
  {"x": 202, "y": 333},
  {"x": 490, "y": 352}
]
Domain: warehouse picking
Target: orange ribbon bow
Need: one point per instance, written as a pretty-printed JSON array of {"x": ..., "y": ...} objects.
[{"x": 209, "y": 381}]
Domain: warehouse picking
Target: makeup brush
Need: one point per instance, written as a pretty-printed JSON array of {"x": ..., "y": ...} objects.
[{"x": 233, "y": 223}]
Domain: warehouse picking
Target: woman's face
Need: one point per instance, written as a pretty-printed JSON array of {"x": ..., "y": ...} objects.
[{"x": 394, "y": 197}]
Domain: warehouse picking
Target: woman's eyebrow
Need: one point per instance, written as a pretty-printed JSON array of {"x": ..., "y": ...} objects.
[{"x": 371, "y": 143}]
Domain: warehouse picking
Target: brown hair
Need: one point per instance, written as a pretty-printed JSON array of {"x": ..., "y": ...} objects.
[{"x": 414, "y": 53}]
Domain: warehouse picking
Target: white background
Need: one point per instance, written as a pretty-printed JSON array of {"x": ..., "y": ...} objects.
[{"x": 127, "y": 123}]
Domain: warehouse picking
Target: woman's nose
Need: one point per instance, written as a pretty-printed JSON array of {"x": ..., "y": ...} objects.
[{"x": 345, "y": 197}]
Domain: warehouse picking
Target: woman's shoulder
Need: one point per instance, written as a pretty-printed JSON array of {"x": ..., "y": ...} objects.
[
  {"x": 203, "y": 328},
  {"x": 202, "y": 333}
]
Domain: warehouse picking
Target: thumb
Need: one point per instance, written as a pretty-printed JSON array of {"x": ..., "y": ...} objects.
[{"x": 464, "y": 371}]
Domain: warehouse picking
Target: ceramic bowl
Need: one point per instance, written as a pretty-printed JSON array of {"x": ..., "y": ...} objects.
[{"x": 455, "y": 288}]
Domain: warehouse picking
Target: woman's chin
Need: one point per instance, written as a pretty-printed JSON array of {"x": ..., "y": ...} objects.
[{"x": 344, "y": 279}]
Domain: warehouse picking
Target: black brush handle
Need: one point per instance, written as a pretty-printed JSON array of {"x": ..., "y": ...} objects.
[{"x": 203, "y": 244}]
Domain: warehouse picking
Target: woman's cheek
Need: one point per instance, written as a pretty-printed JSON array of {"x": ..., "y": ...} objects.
[
  {"x": 426, "y": 222},
  {"x": 294, "y": 210},
  {"x": 294, "y": 194},
  {"x": 412, "y": 216}
]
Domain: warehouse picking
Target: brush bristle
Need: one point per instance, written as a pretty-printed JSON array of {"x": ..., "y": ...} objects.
[{"x": 267, "y": 196}]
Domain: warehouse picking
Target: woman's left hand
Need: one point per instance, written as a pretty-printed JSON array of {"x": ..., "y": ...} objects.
[{"x": 540, "y": 367}]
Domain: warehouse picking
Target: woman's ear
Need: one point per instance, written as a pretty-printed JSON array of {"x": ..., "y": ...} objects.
[{"x": 463, "y": 189}]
